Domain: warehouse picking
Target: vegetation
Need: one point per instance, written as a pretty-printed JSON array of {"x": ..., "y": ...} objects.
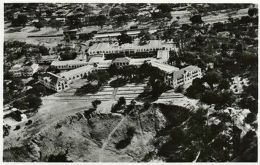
[
  {"x": 95, "y": 103},
  {"x": 88, "y": 88},
  {"x": 29, "y": 102},
  {"x": 119, "y": 105},
  {"x": 124, "y": 38}
]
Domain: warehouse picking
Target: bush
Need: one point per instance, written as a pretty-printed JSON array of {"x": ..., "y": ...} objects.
[
  {"x": 95, "y": 103},
  {"x": 118, "y": 83},
  {"x": 250, "y": 118},
  {"x": 58, "y": 158},
  {"x": 88, "y": 88},
  {"x": 125, "y": 142},
  {"x": 29, "y": 122},
  {"x": 179, "y": 89},
  {"x": 89, "y": 112},
  {"x": 16, "y": 115},
  {"x": 17, "y": 127}
]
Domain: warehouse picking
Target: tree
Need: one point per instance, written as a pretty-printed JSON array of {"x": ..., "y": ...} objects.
[
  {"x": 31, "y": 101},
  {"x": 22, "y": 19},
  {"x": 196, "y": 19},
  {"x": 53, "y": 69},
  {"x": 165, "y": 8},
  {"x": 68, "y": 54},
  {"x": 121, "y": 19},
  {"x": 101, "y": 20},
  {"x": 121, "y": 101},
  {"x": 132, "y": 10},
  {"x": 224, "y": 84},
  {"x": 124, "y": 38},
  {"x": 144, "y": 36},
  {"x": 38, "y": 25},
  {"x": 43, "y": 50},
  {"x": 95, "y": 103},
  {"x": 115, "y": 11},
  {"x": 252, "y": 11},
  {"x": 55, "y": 24},
  {"x": 212, "y": 77}
]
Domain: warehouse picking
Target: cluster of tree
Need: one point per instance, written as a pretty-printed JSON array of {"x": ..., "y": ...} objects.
[
  {"x": 21, "y": 20},
  {"x": 101, "y": 76},
  {"x": 87, "y": 88},
  {"x": 16, "y": 115},
  {"x": 86, "y": 36},
  {"x": 55, "y": 24},
  {"x": 119, "y": 82},
  {"x": 124, "y": 13},
  {"x": 124, "y": 38},
  {"x": 164, "y": 12},
  {"x": 95, "y": 103},
  {"x": 200, "y": 141},
  {"x": 61, "y": 157},
  {"x": 30, "y": 102},
  {"x": 14, "y": 50},
  {"x": 119, "y": 105},
  {"x": 250, "y": 97},
  {"x": 144, "y": 37},
  {"x": 13, "y": 89},
  {"x": 127, "y": 140},
  {"x": 217, "y": 92},
  {"x": 67, "y": 53},
  {"x": 74, "y": 22},
  {"x": 39, "y": 90}
]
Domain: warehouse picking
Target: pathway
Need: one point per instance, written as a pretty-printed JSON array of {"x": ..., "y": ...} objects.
[{"x": 109, "y": 137}]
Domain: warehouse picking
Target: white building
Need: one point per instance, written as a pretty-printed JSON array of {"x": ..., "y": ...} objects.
[
  {"x": 53, "y": 81},
  {"x": 163, "y": 56},
  {"x": 78, "y": 73},
  {"x": 184, "y": 76},
  {"x": 114, "y": 48}
]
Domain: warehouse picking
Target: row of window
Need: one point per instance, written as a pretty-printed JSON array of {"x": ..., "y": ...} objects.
[
  {"x": 137, "y": 50},
  {"x": 69, "y": 66},
  {"x": 122, "y": 63}
]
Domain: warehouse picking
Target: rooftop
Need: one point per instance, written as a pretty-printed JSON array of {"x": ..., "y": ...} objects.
[
  {"x": 178, "y": 74},
  {"x": 79, "y": 70},
  {"x": 68, "y": 62},
  {"x": 50, "y": 77},
  {"x": 122, "y": 59},
  {"x": 152, "y": 44},
  {"x": 164, "y": 67}
]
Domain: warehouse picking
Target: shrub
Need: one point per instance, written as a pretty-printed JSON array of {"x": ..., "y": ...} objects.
[
  {"x": 16, "y": 115},
  {"x": 95, "y": 103},
  {"x": 17, "y": 127},
  {"x": 88, "y": 88},
  {"x": 29, "y": 122},
  {"x": 250, "y": 118},
  {"x": 118, "y": 83}
]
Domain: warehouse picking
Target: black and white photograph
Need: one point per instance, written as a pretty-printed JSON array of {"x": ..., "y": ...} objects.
[{"x": 150, "y": 82}]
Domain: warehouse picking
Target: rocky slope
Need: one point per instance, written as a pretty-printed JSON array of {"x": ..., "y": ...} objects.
[{"x": 103, "y": 137}]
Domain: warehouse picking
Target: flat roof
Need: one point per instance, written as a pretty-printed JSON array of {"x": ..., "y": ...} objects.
[
  {"x": 153, "y": 44},
  {"x": 68, "y": 62},
  {"x": 76, "y": 71},
  {"x": 164, "y": 67}
]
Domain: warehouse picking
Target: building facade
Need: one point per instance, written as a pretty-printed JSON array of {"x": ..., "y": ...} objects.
[
  {"x": 53, "y": 82},
  {"x": 184, "y": 76},
  {"x": 114, "y": 48},
  {"x": 78, "y": 73}
]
